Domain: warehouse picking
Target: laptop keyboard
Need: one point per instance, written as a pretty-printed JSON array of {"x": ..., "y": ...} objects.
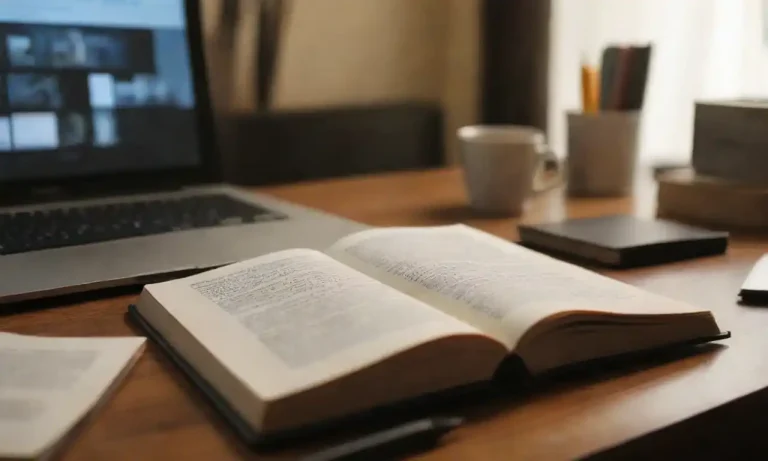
[{"x": 31, "y": 231}]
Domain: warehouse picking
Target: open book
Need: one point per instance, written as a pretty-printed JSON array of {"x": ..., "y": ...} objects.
[
  {"x": 296, "y": 337},
  {"x": 47, "y": 386}
]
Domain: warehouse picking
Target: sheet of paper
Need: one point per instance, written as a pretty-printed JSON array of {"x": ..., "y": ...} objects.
[{"x": 48, "y": 384}]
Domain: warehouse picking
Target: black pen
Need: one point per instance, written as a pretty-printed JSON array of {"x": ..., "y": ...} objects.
[{"x": 391, "y": 443}]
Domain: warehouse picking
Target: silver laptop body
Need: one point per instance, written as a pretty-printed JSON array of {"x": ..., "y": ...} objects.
[{"x": 51, "y": 163}]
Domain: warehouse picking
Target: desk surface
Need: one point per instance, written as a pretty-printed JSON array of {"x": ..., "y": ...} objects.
[{"x": 157, "y": 415}]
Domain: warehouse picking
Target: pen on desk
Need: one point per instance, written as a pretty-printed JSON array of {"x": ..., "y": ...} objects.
[{"x": 391, "y": 443}]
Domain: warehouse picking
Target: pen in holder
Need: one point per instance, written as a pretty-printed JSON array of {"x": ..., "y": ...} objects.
[
  {"x": 602, "y": 152},
  {"x": 603, "y": 139}
]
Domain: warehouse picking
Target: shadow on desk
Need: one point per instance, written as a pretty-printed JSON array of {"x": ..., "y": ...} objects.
[
  {"x": 63, "y": 301},
  {"x": 462, "y": 213},
  {"x": 511, "y": 387},
  {"x": 453, "y": 213}
]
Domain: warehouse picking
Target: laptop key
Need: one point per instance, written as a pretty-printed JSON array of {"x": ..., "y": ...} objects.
[{"x": 32, "y": 231}]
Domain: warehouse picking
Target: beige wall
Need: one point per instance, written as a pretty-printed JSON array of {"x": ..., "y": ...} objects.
[{"x": 339, "y": 52}]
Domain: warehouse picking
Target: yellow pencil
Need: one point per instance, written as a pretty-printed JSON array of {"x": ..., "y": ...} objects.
[{"x": 590, "y": 89}]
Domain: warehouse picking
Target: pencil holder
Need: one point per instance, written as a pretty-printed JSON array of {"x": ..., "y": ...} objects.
[{"x": 602, "y": 152}]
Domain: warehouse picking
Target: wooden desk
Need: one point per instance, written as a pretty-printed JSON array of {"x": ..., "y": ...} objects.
[{"x": 157, "y": 415}]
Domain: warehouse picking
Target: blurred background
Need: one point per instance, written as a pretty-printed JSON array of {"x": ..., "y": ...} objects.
[
  {"x": 410, "y": 72},
  {"x": 703, "y": 49},
  {"x": 318, "y": 88}
]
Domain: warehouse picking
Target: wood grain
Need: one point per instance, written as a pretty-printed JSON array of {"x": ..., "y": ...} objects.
[{"x": 158, "y": 415}]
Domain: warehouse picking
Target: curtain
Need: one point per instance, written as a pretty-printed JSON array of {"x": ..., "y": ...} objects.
[
  {"x": 703, "y": 49},
  {"x": 515, "y": 62}
]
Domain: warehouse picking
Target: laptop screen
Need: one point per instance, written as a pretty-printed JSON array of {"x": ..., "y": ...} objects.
[{"x": 94, "y": 87}]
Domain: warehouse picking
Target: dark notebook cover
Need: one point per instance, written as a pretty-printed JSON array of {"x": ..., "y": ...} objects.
[
  {"x": 623, "y": 241},
  {"x": 510, "y": 377}
]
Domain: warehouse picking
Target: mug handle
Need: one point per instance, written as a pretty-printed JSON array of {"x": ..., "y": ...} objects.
[{"x": 549, "y": 171}]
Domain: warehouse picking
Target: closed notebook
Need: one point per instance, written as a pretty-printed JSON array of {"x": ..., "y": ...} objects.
[{"x": 623, "y": 241}]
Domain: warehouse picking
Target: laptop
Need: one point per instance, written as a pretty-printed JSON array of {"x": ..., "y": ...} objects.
[{"x": 108, "y": 171}]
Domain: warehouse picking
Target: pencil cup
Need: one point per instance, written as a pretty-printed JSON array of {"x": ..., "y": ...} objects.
[{"x": 602, "y": 152}]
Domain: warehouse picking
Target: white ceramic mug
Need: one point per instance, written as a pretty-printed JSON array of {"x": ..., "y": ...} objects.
[{"x": 501, "y": 164}]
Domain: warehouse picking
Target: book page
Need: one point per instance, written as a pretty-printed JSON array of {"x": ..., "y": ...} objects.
[
  {"x": 502, "y": 288},
  {"x": 301, "y": 315},
  {"x": 48, "y": 384}
]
